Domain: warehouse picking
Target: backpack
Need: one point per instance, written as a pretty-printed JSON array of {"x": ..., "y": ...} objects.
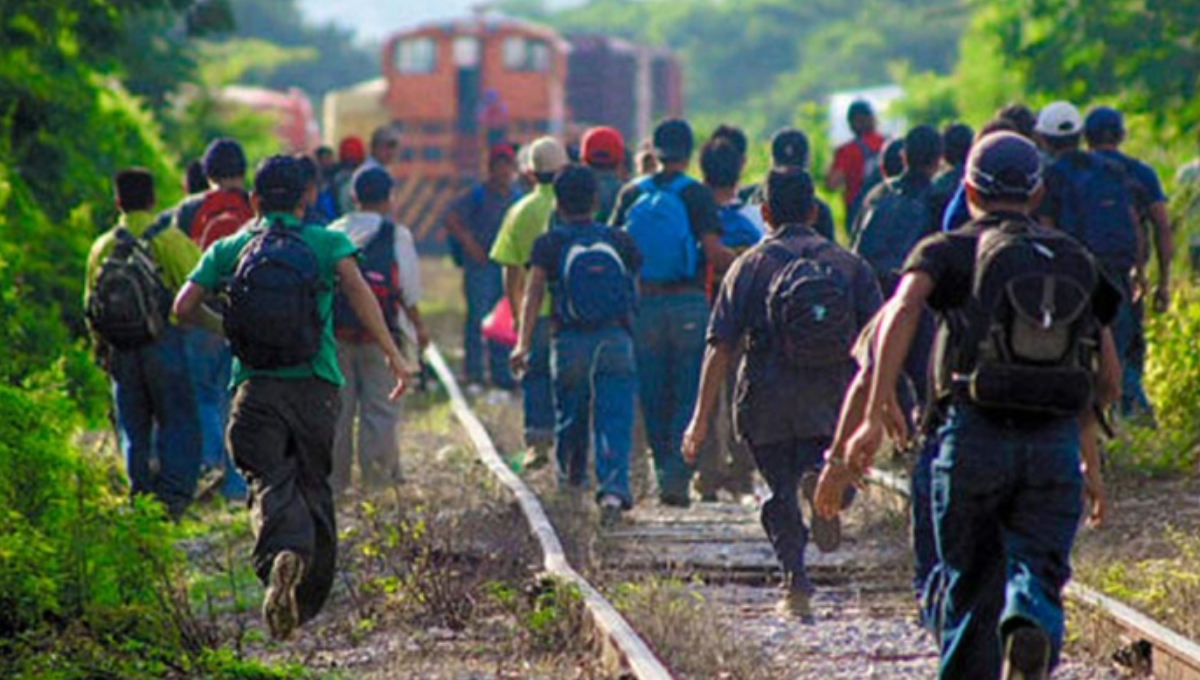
[
  {"x": 891, "y": 225},
  {"x": 273, "y": 320},
  {"x": 594, "y": 287},
  {"x": 382, "y": 274},
  {"x": 1098, "y": 210},
  {"x": 810, "y": 316},
  {"x": 658, "y": 223},
  {"x": 1031, "y": 339},
  {"x": 872, "y": 160},
  {"x": 129, "y": 306},
  {"x": 221, "y": 214},
  {"x": 738, "y": 232}
]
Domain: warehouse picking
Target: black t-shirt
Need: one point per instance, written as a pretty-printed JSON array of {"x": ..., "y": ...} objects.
[{"x": 549, "y": 248}]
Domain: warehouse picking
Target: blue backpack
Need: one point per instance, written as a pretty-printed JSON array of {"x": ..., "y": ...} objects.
[
  {"x": 273, "y": 320},
  {"x": 658, "y": 222},
  {"x": 1098, "y": 209},
  {"x": 594, "y": 286},
  {"x": 738, "y": 232}
]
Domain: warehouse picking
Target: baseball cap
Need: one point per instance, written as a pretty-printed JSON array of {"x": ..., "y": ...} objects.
[
  {"x": 789, "y": 149},
  {"x": 224, "y": 158},
  {"x": 384, "y": 135},
  {"x": 279, "y": 182},
  {"x": 1060, "y": 119},
  {"x": 501, "y": 152},
  {"x": 859, "y": 107},
  {"x": 673, "y": 140},
  {"x": 546, "y": 156},
  {"x": 372, "y": 185},
  {"x": 1004, "y": 164},
  {"x": 1104, "y": 119},
  {"x": 603, "y": 146},
  {"x": 352, "y": 150}
]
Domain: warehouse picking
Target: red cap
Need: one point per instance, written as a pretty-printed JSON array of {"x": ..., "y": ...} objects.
[
  {"x": 603, "y": 146},
  {"x": 501, "y": 151},
  {"x": 352, "y": 150}
]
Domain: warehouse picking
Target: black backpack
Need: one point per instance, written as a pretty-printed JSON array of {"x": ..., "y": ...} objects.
[
  {"x": 129, "y": 306},
  {"x": 1031, "y": 342},
  {"x": 274, "y": 320},
  {"x": 382, "y": 274},
  {"x": 810, "y": 314},
  {"x": 893, "y": 221}
]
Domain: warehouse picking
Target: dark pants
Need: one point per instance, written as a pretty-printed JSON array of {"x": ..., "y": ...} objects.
[
  {"x": 281, "y": 434},
  {"x": 782, "y": 464},
  {"x": 926, "y": 572},
  {"x": 157, "y": 419},
  {"x": 1007, "y": 500},
  {"x": 483, "y": 286},
  {"x": 536, "y": 390}
]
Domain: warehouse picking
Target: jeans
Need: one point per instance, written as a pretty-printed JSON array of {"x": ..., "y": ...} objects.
[
  {"x": 210, "y": 363},
  {"x": 364, "y": 400},
  {"x": 670, "y": 339},
  {"x": 594, "y": 380},
  {"x": 926, "y": 572},
  {"x": 1007, "y": 501},
  {"x": 281, "y": 434},
  {"x": 1129, "y": 334},
  {"x": 537, "y": 391},
  {"x": 157, "y": 419},
  {"x": 782, "y": 464},
  {"x": 483, "y": 287}
]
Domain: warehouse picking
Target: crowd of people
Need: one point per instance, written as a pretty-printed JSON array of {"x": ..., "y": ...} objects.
[{"x": 986, "y": 312}]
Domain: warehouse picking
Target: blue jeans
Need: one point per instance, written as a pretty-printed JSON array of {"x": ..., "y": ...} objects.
[
  {"x": 670, "y": 339},
  {"x": 157, "y": 419},
  {"x": 483, "y": 286},
  {"x": 1007, "y": 500},
  {"x": 782, "y": 464},
  {"x": 1129, "y": 334},
  {"x": 926, "y": 572},
  {"x": 594, "y": 379},
  {"x": 537, "y": 391},
  {"x": 210, "y": 362}
]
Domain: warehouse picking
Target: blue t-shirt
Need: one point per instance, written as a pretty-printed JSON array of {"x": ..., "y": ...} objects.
[
  {"x": 1147, "y": 187},
  {"x": 957, "y": 212},
  {"x": 481, "y": 209}
]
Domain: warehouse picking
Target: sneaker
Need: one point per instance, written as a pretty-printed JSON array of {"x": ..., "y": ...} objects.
[
  {"x": 611, "y": 509},
  {"x": 796, "y": 603},
  {"x": 826, "y": 533},
  {"x": 672, "y": 500},
  {"x": 280, "y": 609},
  {"x": 1026, "y": 654}
]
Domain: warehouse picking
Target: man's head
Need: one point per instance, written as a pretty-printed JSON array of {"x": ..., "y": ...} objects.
[
  {"x": 134, "y": 190},
  {"x": 224, "y": 161},
  {"x": 922, "y": 150},
  {"x": 373, "y": 190},
  {"x": 1023, "y": 119},
  {"x": 1060, "y": 126},
  {"x": 734, "y": 136},
  {"x": 603, "y": 148},
  {"x": 721, "y": 164},
  {"x": 673, "y": 142},
  {"x": 575, "y": 192},
  {"x": 1004, "y": 171},
  {"x": 891, "y": 159},
  {"x": 352, "y": 152},
  {"x": 546, "y": 158},
  {"x": 789, "y": 150},
  {"x": 861, "y": 117},
  {"x": 502, "y": 165},
  {"x": 385, "y": 145},
  {"x": 311, "y": 175},
  {"x": 789, "y": 198},
  {"x": 1104, "y": 127},
  {"x": 325, "y": 159},
  {"x": 956, "y": 144},
  {"x": 194, "y": 180},
  {"x": 279, "y": 186}
]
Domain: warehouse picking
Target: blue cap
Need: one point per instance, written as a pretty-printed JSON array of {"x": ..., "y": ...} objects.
[
  {"x": 224, "y": 159},
  {"x": 372, "y": 185},
  {"x": 1104, "y": 119},
  {"x": 1005, "y": 165}
]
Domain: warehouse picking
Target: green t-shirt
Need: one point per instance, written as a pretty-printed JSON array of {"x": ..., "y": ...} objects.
[
  {"x": 329, "y": 247},
  {"x": 528, "y": 219}
]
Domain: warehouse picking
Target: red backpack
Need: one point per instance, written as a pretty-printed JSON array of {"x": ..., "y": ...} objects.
[{"x": 222, "y": 213}]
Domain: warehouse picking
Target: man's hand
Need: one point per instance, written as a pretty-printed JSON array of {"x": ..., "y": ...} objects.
[
  {"x": 399, "y": 369},
  {"x": 518, "y": 361},
  {"x": 1162, "y": 298},
  {"x": 693, "y": 439},
  {"x": 831, "y": 488},
  {"x": 866, "y": 440},
  {"x": 895, "y": 422},
  {"x": 1095, "y": 497}
]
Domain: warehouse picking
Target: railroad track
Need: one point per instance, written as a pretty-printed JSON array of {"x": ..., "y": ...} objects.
[{"x": 865, "y": 613}]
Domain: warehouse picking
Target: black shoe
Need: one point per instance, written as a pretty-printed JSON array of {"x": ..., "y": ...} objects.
[
  {"x": 672, "y": 500},
  {"x": 1026, "y": 654},
  {"x": 826, "y": 533}
]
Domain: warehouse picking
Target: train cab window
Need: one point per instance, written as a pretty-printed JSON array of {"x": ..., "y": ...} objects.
[
  {"x": 522, "y": 54},
  {"x": 416, "y": 55}
]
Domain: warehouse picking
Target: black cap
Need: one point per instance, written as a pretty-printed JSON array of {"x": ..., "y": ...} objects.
[
  {"x": 279, "y": 184},
  {"x": 372, "y": 185},
  {"x": 789, "y": 149},
  {"x": 575, "y": 190},
  {"x": 673, "y": 140},
  {"x": 859, "y": 107},
  {"x": 224, "y": 159},
  {"x": 1005, "y": 165},
  {"x": 1104, "y": 119}
]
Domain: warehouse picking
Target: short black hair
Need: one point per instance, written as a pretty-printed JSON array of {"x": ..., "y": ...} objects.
[
  {"x": 279, "y": 184},
  {"x": 224, "y": 159},
  {"x": 891, "y": 159},
  {"x": 195, "y": 179},
  {"x": 922, "y": 147},
  {"x": 721, "y": 163},
  {"x": 956, "y": 143},
  {"x": 309, "y": 169},
  {"x": 993, "y": 126},
  {"x": 733, "y": 135},
  {"x": 323, "y": 152},
  {"x": 789, "y": 149},
  {"x": 1022, "y": 117},
  {"x": 1064, "y": 142},
  {"x": 789, "y": 196},
  {"x": 1103, "y": 136},
  {"x": 575, "y": 190},
  {"x": 135, "y": 189},
  {"x": 860, "y": 107}
]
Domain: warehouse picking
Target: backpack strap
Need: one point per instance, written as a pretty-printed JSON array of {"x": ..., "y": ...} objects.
[
  {"x": 867, "y": 152},
  {"x": 159, "y": 227}
]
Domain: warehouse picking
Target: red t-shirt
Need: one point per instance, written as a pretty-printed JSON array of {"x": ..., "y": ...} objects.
[{"x": 851, "y": 161}]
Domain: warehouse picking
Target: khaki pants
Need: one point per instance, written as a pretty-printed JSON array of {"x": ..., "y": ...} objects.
[{"x": 365, "y": 400}]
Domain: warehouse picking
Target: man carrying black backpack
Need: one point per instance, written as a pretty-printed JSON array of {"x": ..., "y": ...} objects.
[
  {"x": 280, "y": 277},
  {"x": 1022, "y": 311},
  {"x": 797, "y": 364}
]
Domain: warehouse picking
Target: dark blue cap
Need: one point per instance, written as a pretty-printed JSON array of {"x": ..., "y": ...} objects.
[
  {"x": 372, "y": 185},
  {"x": 673, "y": 140},
  {"x": 1104, "y": 119},
  {"x": 224, "y": 159},
  {"x": 789, "y": 149},
  {"x": 1005, "y": 165}
]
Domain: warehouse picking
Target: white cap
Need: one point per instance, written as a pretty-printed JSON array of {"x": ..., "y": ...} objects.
[
  {"x": 547, "y": 155},
  {"x": 1060, "y": 119}
]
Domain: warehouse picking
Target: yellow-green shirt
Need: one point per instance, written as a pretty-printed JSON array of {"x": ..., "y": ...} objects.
[
  {"x": 525, "y": 221},
  {"x": 330, "y": 247},
  {"x": 172, "y": 250}
]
